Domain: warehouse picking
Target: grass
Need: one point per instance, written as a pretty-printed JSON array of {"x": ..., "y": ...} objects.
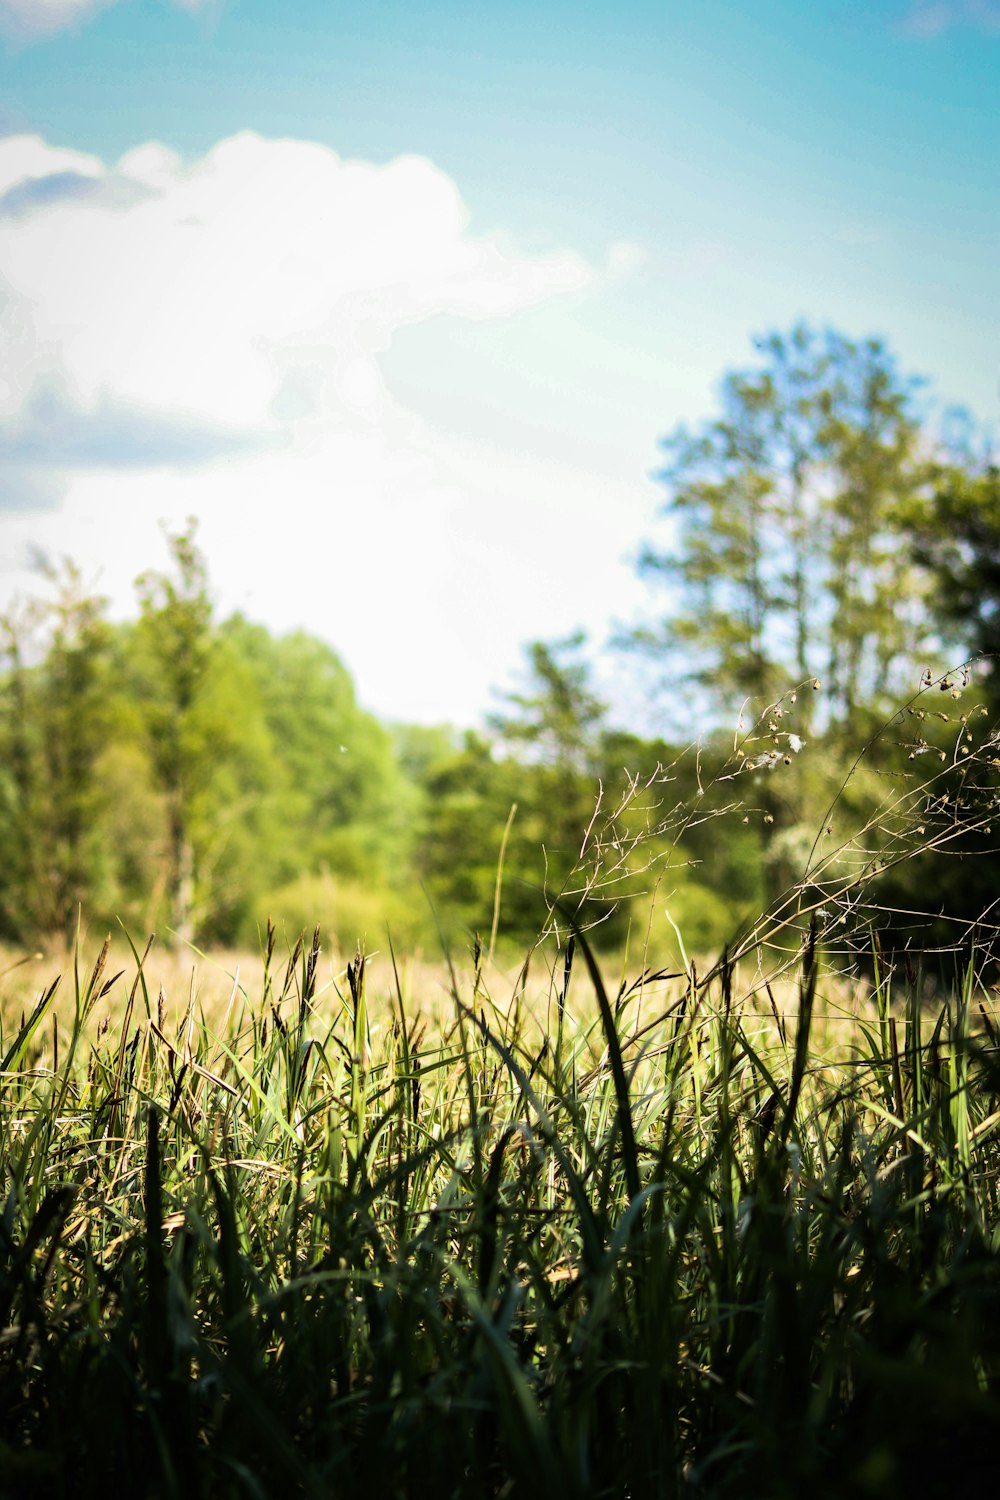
[
  {"x": 576, "y": 1241},
  {"x": 726, "y": 1231}
]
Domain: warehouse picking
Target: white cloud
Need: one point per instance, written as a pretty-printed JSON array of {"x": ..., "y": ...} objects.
[
  {"x": 25, "y": 20},
  {"x": 254, "y": 287},
  {"x": 28, "y": 159},
  {"x": 206, "y": 337}
]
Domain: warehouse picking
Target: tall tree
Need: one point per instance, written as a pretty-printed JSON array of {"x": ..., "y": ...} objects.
[
  {"x": 345, "y": 804},
  {"x": 76, "y": 712},
  {"x": 175, "y": 636},
  {"x": 957, "y": 538},
  {"x": 56, "y": 713},
  {"x": 469, "y": 793},
  {"x": 785, "y": 558},
  {"x": 23, "y": 899},
  {"x": 873, "y": 456},
  {"x": 209, "y": 744},
  {"x": 553, "y": 729},
  {"x": 556, "y": 717}
]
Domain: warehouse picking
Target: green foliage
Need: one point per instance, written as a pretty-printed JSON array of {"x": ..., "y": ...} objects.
[
  {"x": 552, "y": 730},
  {"x": 794, "y": 577},
  {"x": 132, "y": 830},
  {"x": 680, "y": 1248},
  {"x": 203, "y": 728},
  {"x": 170, "y": 657},
  {"x": 175, "y": 771},
  {"x": 469, "y": 795},
  {"x": 789, "y": 558},
  {"x": 355, "y": 913},
  {"x": 56, "y": 718},
  {"x": 666, "y": 1239},
  {"x": 188, "y": 774},
  {"x": 544, "y": 814},
  {"x": 557, "y": 717},
  {"x": 957, "y": 537},
  {"x": 345, "y": 802}
]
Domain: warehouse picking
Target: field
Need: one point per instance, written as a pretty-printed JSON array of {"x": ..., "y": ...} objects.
[{"x": 366, "y": 1227}]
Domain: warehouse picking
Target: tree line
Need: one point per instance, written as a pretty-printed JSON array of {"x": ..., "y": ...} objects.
[{"x": 820, "y": 547}]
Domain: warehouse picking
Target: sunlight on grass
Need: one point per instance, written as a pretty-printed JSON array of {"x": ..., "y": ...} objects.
[{"x": 317, "y": 1229}]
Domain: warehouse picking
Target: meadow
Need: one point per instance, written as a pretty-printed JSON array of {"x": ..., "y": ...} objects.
[
  {"x": 628, "y": 1126},
  {"x": 612, "y": 1213},
  {"x": 322, "y": 1227}
]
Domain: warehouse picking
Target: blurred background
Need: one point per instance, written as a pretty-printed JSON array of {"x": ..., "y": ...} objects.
[{"x": 441, "y": 450}]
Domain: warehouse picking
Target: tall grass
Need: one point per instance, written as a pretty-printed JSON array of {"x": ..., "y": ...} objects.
[
  {"x": 671, "y": 1248},
  {"x": 694, "y": 1236}
]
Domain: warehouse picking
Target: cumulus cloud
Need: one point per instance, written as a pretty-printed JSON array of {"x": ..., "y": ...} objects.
[
  {"x": 208, "y": 337},
  {"x": 25, "y": 20},
  {"x": 251, "y": 289},
  {"x": 27, "y": 159},
  {"x": 930, "y": 18}
]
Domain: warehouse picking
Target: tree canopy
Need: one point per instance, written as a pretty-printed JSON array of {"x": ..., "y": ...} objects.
[
  {"x": 785, "y": 512},
  {"x": 197, "y": 775}
]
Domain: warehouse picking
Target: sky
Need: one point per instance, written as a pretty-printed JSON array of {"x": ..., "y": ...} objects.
[{"x": 398, "y": 299}]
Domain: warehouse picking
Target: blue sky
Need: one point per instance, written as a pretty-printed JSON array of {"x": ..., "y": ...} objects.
[{"x": 398, "y": 298}]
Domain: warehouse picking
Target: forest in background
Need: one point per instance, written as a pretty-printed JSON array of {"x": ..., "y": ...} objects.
[{"x": 824, "y": 542}]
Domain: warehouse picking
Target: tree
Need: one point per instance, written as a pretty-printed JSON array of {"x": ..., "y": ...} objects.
[
  {"x": 76, "y": 712},
  {"x": 957, "y": 539},
  {"x": 788, "y": 560},
  {"x": 787, "y": 509},
  {"x": 468, "y": 795},
  {"x": 554, "y": 727},
  {"x": 174, "y": 638},
  {"x": 22, "y": 800},
  {"x": 57, "y": 711},
  {"x": 589, "y": 829},
  {"x": 344, "y": 802},
  {"x": 211, "y": 751},
  {"x": 556, "y": 719}
]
